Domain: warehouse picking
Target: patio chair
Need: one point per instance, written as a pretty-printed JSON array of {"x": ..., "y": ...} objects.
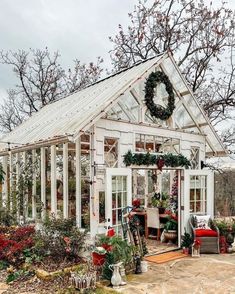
[
  {"x": 153, "y": 221},
  {"x": 209, "y": 236}
]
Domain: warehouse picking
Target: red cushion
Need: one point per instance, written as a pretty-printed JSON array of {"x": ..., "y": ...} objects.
[{"x": 205, "y": 233}]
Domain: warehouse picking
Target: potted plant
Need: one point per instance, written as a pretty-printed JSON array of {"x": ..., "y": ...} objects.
[
  {"x": 170, "y": 228},
  {"x": 160, "y": 201},
  {"x": 121, "y": 252},
  {"x": 223, "y": 230},
  {"x": 186, "y": 242},
  {"x": 98, "y": 255}
]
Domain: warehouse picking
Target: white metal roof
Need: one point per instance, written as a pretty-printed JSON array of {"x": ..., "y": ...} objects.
[
  {"x": 67, "y": 116},
  {"x": 74, "y": 113}
]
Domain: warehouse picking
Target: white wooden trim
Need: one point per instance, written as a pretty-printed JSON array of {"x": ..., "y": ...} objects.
[
  {"x": 78, "y": 181},
  {"x": 53, "y": 181},
  {"x": 34, "y": 191},
  {"x": 26, "y": 202},
  {"x": 86, "y": 125},
  {"x": 94, "y": 219},
  {"x": 5, "y": 185},
  {"x": 209, "y": 189},
  {"x": 11, "y": 180},
  {"x": 65, "y": 181},
  {"x": 108, "y": 190},
  {"x": 43, "y": 181},
  {"x": 17, "y": 183}
]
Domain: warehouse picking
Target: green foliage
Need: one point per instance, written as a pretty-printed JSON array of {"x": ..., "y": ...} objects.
[
  {"x": 121, "y": 251},
  {"x": 59, "y": 238},
  {"x": 224, "y": 226},
  {"x": 2, "y": 173},
  {"x": 170, "y": 160},
  {"x": 18, "y": 274},
  {"x": 106, "y": 272},
  {"x": 3, "y": 265},
  {"x": 187, "y": 240},
  {"x": 159, "y": 203},
  {"x": 56, "y": 225},
  {"x": 171, "y": 224},
  {"x": 7, "y": 218},
  {"x": 159, "y": 111}
]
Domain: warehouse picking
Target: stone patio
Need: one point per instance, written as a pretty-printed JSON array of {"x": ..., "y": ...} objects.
[{"x": 212, "y": 273}]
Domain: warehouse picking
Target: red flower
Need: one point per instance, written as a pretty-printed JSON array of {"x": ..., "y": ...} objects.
[
  {"x": 197, "y": 243},
  {"x": 67, "y": 240}
]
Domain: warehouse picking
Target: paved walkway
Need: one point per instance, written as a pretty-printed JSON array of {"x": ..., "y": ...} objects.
[
  {"x": 209, "y": 274},
  {"x": 3, "y": 287}
]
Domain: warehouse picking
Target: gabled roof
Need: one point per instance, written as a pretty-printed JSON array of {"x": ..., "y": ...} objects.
[{"x": 77, "y": 112}]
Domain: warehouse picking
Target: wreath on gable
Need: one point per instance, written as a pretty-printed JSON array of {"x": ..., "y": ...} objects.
[{"x": 156, "y": 110}]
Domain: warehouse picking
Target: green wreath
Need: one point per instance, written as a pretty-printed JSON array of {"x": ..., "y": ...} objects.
[{"x": 156, "y": 110}]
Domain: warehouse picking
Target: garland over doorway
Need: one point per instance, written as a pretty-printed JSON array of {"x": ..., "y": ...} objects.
[
  {"x": 168, "y": 160},
  {"x": 156, "y": 110}
]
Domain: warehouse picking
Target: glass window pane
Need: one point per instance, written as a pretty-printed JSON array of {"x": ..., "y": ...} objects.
[
  {"x": 114, "y": 200},
  {"x": 119, "y": 196},
  {"x": 101, "y": 206},
  {"x": 114, "y": 218},
  {"x": 111, "y": 152}
]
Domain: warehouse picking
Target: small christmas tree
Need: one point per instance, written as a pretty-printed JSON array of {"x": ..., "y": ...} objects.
[{"x": 187, "y": 240}]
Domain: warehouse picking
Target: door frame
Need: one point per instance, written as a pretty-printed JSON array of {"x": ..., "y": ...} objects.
[
  {"x": 108, "y": 190},
  {"x": 185, "y": 213}
]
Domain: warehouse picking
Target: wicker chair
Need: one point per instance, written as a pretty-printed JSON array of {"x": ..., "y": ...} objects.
[{"x": 210, "y": 242}]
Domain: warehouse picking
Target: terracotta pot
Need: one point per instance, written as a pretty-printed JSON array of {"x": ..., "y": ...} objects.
[
  {"x": 98, "y": 259},
  {"x": 186, "y": 251}
]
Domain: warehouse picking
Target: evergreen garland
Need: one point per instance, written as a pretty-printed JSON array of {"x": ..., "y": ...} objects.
[
  {"x": 170, "y": 160},
  {"x": 156, "y": 110}
]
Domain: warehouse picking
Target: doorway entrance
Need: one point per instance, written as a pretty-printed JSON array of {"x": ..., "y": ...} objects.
[{"x": 159, "y": 193}]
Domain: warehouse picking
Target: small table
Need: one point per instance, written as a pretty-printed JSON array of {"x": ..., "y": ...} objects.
[{"x": 144, "y": 214}]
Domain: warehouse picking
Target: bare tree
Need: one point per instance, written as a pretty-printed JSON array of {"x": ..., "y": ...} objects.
[
  {"x": 41, "y": 80},
  {"x": 202, "y": 39}
]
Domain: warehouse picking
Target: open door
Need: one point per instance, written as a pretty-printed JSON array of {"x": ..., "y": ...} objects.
[
  {"x": 198, "y": 196},
  {"x": 117, "y": 196}
]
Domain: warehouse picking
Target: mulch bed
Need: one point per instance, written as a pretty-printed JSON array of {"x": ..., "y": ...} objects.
[
  {"x": 30, "y": 284},
  {"x": 51, "y": 265},
  {"x": 33, "y": 285}
]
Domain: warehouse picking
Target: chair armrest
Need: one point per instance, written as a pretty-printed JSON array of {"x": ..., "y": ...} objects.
[
  {"x": 192, "y": 227},
  {"x": 214, "y": 227}
]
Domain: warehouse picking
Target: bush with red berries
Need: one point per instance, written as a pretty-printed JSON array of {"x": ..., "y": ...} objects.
[{"x": 14, "y": 243}]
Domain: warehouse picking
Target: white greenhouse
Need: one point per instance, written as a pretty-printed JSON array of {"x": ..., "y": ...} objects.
[{"x": 73, "y": 152}]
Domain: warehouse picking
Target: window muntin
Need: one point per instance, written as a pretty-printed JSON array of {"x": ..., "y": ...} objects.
[
  {"x": 194, "y": 157},
  {"x": 111, "y": 152},
  {"x": 119, "y": 200},
  {"x": 156, "y": 144},
  {"x": 198, "y": 194},
  {"x": 85, "y": 180}
]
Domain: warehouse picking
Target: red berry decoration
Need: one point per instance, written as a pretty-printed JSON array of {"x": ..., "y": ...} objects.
[{"x": 160, "y": 163}]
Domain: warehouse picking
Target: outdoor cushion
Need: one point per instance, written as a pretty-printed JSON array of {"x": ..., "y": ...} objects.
[
  {"x": 202, "y": 221},
  {"x": 205, "y": 233}
]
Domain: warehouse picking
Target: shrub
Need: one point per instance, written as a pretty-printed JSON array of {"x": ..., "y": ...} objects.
[
  {"x": 59, "y": 239},
  {"x": 7, "y": 218},
  {"x": 13, "y": 245},
  {"x": 121, "y": 251}
]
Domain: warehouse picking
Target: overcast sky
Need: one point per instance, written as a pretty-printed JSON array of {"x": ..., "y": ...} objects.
[{"x": 77, "y": 28}]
